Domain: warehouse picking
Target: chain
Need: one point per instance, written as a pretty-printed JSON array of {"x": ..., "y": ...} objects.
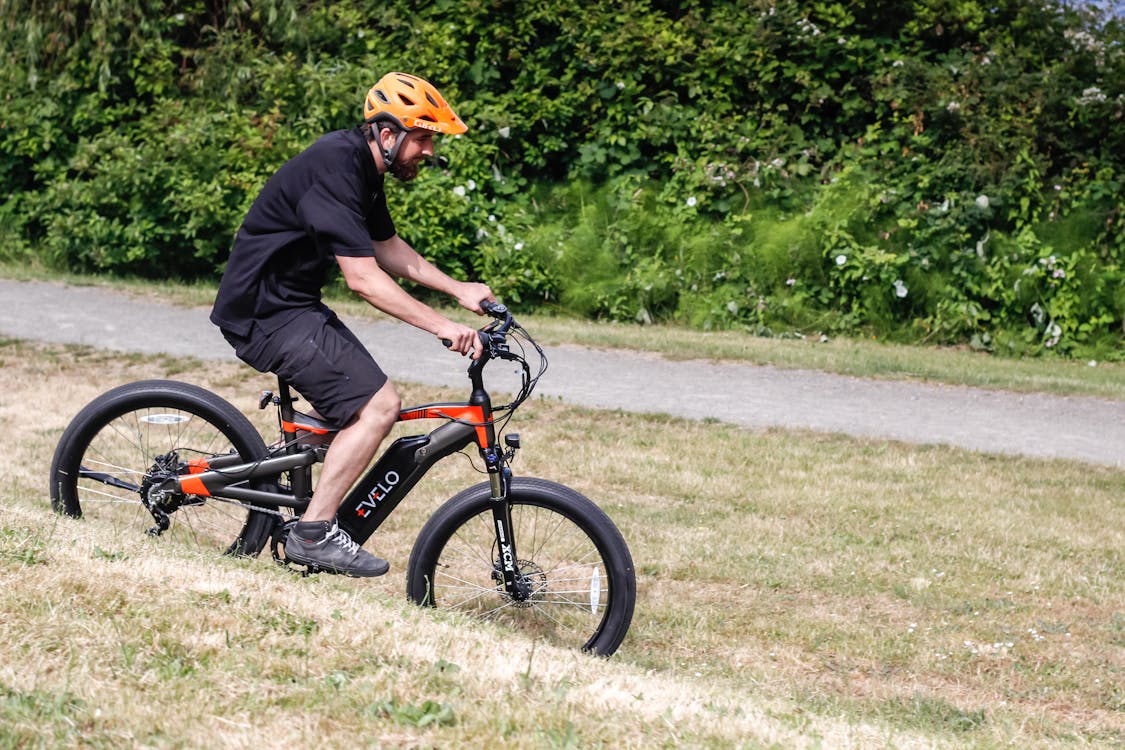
[{"x": 250, "y": 507}]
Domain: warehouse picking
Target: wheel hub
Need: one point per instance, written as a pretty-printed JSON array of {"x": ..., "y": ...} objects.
[{"x": 532, "y": 581}]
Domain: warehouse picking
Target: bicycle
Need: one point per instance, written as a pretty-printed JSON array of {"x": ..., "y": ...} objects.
[{"x": 178, "y": 459}]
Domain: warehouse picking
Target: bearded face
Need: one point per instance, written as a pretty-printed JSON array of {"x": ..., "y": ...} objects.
[
  {"x": 417, "y": 146},
  {"x": 403, "y": 170}
]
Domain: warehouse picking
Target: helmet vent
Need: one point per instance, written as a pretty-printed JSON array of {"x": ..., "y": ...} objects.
[
  {"x": 431, "y": 99},
  {"x": 406, "y": 100}
]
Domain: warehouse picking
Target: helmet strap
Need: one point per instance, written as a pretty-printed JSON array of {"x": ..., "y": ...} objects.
[{"x": 389, "y": 154}]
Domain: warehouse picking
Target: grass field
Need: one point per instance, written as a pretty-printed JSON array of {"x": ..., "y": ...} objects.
[{"x": 795, "y": 590}]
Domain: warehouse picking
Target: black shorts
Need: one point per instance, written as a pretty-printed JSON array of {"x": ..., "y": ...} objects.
[{"x": 320, "y": 358}]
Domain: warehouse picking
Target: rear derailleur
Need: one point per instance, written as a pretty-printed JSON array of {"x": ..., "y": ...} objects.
[{"x": 160, "y": 492}]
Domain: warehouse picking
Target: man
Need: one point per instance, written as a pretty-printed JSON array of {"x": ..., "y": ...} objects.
[{"x": 326, "y": 207}]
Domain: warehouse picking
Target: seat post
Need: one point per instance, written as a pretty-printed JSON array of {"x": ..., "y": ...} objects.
[
  {"x": 300, "y": 479},
  {"x": 285, "y": 400}
]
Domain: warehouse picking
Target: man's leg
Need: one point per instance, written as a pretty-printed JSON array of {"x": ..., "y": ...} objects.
[
  {"x": 316, "y": 539},
  {"x": 351, "y": 451}
]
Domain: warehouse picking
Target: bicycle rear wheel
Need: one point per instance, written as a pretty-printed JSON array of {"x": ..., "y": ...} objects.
[
  {"x": 578, "y": 567},
  {"x": 131, "y": 438}
]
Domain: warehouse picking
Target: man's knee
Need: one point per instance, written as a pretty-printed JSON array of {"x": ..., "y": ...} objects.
[{"x": 382, "y": 410}]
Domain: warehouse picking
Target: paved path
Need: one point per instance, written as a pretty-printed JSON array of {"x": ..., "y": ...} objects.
[{"x": 1086, "y": 429}]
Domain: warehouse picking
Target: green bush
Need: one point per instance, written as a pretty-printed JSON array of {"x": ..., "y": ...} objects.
[{"x": 704, "y": 162}]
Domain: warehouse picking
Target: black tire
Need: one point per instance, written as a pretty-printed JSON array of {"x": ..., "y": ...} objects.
[
  {"x": 556, "y": 529},
  {"x": 119, "y": 435}
]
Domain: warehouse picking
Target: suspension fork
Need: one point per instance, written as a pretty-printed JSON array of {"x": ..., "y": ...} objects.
[
  {"x": 500, "y": 479},
  {"x": 508, "y": 566}
]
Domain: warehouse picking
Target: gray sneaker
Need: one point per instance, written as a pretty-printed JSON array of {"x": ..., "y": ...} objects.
[{"x": 325, "y": 546}]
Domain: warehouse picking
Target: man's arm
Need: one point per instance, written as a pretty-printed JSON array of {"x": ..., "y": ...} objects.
[
  {"x": 397, "y": 257},
  {"x": 371, "y": 279}
]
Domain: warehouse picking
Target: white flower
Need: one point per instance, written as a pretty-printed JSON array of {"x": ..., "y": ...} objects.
[
  {"x": 459, "y": 190},
  {"x": 471, "y": 185},
  {"x": 1054, "y": 332},
  {"x": 900, "y": 289},
  {"x": 897, "y": 64},
  {"x": 505, "y": 131},
  {"x": 1091, "y": 95},
  {"x": 790, "y": 282},
  {"x": 519, "y": 246},
  {"x": 982, "y": 201},
  {"x": 732, "y": 307},
  {"x": 841, "y": 260},
  {"x": 620, "y": 85},
  {"x": 691, "y": 201}
]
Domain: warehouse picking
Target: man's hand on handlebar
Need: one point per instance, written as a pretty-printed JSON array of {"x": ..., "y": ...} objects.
[
  {"x": 460, "y": 338},
  {"x": 471, "y": 294}
]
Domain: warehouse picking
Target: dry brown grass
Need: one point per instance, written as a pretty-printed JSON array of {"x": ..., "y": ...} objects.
[{"x": 793, "y": 589}]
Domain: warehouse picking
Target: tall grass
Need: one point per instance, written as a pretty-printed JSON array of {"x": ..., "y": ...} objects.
[{"x": 795, "y": 590}]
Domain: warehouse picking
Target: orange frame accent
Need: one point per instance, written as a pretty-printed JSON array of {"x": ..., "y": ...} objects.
[
  {"x": 294, "y": 426},
  {"x": 463, "y": 412},
  {"x": 194, "y": 486}
]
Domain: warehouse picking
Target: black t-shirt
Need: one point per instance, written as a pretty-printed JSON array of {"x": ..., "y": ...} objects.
[{"x": 326, "y": 201}]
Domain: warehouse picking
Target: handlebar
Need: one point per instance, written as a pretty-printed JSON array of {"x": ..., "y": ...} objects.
[
  {"x": 496, "y": 342},
  {"x": 496, "y": 310}
]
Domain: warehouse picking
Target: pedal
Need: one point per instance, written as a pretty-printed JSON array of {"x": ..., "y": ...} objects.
[
  {"x": 278, "y": 535},
  {"x": 277, "y": 550}
]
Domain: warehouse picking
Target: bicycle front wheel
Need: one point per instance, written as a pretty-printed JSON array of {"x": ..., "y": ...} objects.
[
  {"x": 574, "y": 560},
  {"x": 131, "y": 438}
]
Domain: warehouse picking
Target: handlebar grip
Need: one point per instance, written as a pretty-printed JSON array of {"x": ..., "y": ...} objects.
[
  {"x": 495, "y": 309},
  {"x": 480, "y": 335}
]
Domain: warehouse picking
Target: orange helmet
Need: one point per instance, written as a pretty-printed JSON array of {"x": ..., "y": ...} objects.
[{"x": 411, "y": 103}]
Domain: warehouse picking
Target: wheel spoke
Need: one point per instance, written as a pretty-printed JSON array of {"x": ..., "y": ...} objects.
[
  {"x": 569, "y": 595},
  {"x": 140, "y": 439}
]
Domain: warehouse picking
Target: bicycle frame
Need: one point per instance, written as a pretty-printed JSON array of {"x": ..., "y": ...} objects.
[{"x": 386, "y": 483}]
